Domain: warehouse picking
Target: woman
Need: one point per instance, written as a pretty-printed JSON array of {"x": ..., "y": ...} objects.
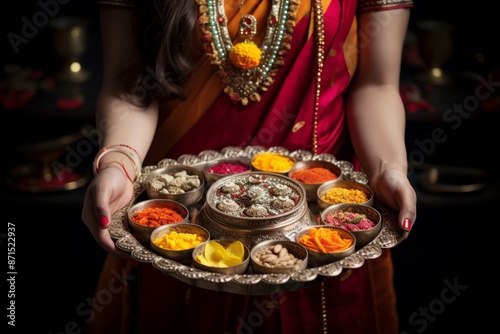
[{"x": 315, "y": 75}]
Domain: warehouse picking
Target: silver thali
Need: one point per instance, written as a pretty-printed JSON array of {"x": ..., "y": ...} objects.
[{"x": 250, "y": 283}]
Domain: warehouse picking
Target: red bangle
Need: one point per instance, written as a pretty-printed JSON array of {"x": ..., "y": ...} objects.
[
  {"x": 125, "y": 171},
  {"x": 120, "y": 166}
]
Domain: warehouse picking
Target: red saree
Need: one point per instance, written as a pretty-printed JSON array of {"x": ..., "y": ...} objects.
[
  {"x": 359, "y": 301},
  {"x": 208, "y": 119}
]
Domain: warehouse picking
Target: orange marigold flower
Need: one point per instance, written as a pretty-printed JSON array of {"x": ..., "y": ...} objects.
[{"x": 245, "y": 55}]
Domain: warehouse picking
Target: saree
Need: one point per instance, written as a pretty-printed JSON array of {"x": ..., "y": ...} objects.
[
  {"x": 208, "y": 119},
  {"x": 360, "y": 300}
]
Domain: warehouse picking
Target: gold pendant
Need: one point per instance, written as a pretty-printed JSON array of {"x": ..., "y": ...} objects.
[{"x": 247, "y": 54}]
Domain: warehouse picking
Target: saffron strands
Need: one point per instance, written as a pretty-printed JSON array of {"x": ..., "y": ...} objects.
[{"x": 325, "y": 240}]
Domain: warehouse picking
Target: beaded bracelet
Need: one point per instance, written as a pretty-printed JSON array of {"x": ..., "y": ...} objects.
[{"x": 124, "y": 149}]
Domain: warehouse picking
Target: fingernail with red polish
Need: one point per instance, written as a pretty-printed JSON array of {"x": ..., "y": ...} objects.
[
  {"x": 407, "y": 224},
  {"x": 103, "y": 221}
]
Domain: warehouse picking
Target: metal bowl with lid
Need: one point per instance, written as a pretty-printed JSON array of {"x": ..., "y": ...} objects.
[
  {"x": 255, "y": 200},
  {"x": 255, "y": 206}
]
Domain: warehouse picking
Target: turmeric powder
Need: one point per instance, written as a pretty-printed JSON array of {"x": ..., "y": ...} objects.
[
  {"x": 272, "y": 162},
  {"x": 344, "y": 195},
  {"x": 179, "y": 240}
]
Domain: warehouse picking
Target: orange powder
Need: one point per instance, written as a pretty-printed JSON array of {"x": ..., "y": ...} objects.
[
  {"x": 157, "y": 216},
  {"x": 313, "y": 175}
]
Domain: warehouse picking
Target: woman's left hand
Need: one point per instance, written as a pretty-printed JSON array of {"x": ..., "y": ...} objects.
[{"x": 393, "y": 188}]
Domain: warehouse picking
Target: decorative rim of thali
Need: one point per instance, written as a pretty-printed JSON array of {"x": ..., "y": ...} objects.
[{"x": 252, "y": 284}]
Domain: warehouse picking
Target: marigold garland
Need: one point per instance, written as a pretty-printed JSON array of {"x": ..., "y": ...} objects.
[{"x": 245, "y": 55}]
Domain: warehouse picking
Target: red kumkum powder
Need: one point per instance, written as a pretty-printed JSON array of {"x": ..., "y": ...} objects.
[{"x": 226, "y": 168}]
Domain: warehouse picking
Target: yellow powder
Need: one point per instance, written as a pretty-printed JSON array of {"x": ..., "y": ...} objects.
[
  {"x": 178, "y": 241},
  {"x": 272, "y": 162},
  {"x": 344, "y": 195}
]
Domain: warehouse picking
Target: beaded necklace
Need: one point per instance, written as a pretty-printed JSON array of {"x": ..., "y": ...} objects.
[
  {"x": 245, "y": 68},
  {"x": 246, "y": 84}
]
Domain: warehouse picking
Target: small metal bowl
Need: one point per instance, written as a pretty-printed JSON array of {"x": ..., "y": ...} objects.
[
  {"x": 363, "y": 236},
  {"x": 211, "y": 176},
  {"x": 181, "y": 255},
  {"x": 312, "y": 188},
  {"x": 318, "y": 258},
  {"x": 233, "y": 270},
  {"x": 273, "y": 250},
  {"x": 189, "y": 197},
  {"x": 143, "y": 232},
  {"x": 344, "y": 184},
  {"x": 270, "y": 167}
]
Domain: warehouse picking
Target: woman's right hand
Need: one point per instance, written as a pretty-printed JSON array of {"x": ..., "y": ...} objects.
[{"x": 109, "y": 191}]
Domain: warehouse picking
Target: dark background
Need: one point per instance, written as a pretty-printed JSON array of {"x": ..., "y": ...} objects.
[{"x": 57, "y": 260}]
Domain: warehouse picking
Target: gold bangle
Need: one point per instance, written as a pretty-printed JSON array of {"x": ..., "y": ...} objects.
[{"x": 126, "y": 150}]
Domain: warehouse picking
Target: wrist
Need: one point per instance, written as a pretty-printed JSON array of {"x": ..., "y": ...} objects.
[
  {"x": 383, "y": 168},
  {"x": 120, "y": 165}
]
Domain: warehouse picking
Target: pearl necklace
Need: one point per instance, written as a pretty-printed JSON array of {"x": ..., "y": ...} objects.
[{"x": 246, "y": 69}]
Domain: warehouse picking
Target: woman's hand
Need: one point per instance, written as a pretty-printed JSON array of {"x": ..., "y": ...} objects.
[
  {"x": 109, "y": 191},
  {"x": 393, "y": 188}
]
